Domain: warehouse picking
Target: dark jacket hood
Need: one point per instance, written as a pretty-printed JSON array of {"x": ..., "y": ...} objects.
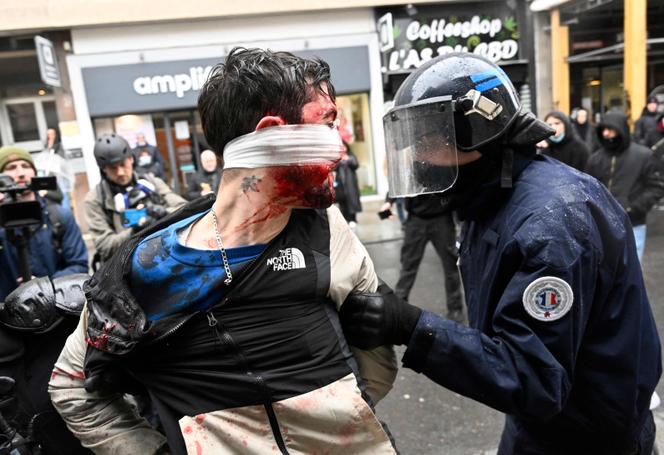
[
  {"x": 569, "y": 128},
  {"x": 618, "y": 122}
]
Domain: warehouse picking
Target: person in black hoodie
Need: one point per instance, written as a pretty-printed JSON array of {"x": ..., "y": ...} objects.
[
  {"x": 565, "y": 145},
  {"x": 584, "y": 127},
  {"x": 647, "y": 122},
  {"x": 629, "y": 171},
  {"x": 207, "y": 179},
  {"x": 655, "y": 137}
]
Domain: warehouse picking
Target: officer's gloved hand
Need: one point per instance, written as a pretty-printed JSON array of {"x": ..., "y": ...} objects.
[
  {"x": 373, "y": 319},
  {"x": 156, "y": 211}
]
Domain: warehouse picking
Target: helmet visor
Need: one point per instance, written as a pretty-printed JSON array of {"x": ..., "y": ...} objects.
[{"x": 421, "y": 148}]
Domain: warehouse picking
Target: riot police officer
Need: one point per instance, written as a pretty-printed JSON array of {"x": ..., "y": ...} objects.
[{"x": 562, "y": 338}]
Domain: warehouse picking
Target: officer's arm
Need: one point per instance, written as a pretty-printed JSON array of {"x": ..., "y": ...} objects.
[
  {"x": 173, "y": 201},
  {"x": 104, "y": 237},
  {"x": 352, "y": 271},
  {"x": 74, "y": 252},
  {"x": 523, "y": 365},
  {"x": 105, "y": 423}
]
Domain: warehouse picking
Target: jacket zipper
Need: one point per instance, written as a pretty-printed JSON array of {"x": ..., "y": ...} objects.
[
  {"x": 612, "y": 171},
  {"x": 173, "y": 329},
  {"x": 225, "y": 338}
]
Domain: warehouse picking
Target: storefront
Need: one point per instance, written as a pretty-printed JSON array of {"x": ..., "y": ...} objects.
[
  {"x": 27, "y": 104},
  {"x": 596, "y": 54},
  {"x": 412, "y": 35},
  {"x": 124, "y": 82}
]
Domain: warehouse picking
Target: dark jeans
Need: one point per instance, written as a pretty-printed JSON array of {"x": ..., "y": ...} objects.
[{"x": 441, "y": 232}]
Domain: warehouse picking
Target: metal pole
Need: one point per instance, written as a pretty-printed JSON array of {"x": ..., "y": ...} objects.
[{"x": 171, "y": 153}]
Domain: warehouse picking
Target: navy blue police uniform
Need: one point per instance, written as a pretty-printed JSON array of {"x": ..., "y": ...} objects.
[{"x": 562, "y": 338}]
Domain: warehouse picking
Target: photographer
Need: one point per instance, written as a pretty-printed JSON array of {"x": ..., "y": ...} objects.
[
  {"x": 55, "y": 248},
  {"x": 124, "y": 202}
]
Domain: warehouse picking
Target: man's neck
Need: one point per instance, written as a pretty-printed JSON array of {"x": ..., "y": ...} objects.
[{"x": 243, "y": 218}]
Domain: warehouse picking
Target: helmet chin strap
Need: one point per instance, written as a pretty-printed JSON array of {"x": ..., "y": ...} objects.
[{"x": 526, "y": 131}]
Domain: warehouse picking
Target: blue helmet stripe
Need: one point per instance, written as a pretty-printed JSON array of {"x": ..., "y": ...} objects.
[
  {"x": 488, "y": 85},
  {"x": 484, "y": 75}
]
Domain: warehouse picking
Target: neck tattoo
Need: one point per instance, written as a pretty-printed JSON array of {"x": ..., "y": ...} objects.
[{"x": 222, "y": 250}]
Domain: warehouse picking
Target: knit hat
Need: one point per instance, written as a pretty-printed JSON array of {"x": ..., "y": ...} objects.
[
  {"x": 13, "y": 153},
  {"x": 652, "y": 99}
]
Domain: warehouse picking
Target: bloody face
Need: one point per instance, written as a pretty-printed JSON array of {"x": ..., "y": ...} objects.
[{"x": 311, "y": 185}]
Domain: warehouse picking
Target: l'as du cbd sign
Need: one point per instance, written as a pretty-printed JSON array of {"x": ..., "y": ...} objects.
[{"x": 407, "y": 43}]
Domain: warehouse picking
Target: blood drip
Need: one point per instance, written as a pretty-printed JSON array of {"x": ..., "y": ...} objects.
[
  {"x": 308, "y": 185},
  {"x": 100, "y": 341}
]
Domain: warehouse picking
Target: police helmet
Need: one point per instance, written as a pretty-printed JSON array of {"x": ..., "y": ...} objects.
[
  {"x": 111, "y": 148},
  {"x": 485, "y": 101}
]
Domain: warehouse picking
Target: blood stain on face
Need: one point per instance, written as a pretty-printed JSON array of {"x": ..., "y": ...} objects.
[
  {"x": 304, "y": 186},
  {"x": 309, "y": 185}
]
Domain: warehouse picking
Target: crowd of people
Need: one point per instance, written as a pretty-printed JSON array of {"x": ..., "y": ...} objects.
[
  {"x": 248, "y": 305},
  {"x": 630, "y": 165}
]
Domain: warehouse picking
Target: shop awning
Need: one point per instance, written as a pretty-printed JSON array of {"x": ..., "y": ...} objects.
[{"x": 614, "y": 52}]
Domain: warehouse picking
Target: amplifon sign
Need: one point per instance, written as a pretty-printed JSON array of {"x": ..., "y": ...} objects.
[
  {"x": 179, "y": 84},
  {"x": 136, "y": 88},
  {"x": 407, "y": 43}
]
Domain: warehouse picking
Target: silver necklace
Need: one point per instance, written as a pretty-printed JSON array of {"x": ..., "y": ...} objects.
[{"x": 222, "y": 250}]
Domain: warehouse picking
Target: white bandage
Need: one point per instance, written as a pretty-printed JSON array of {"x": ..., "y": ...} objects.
[{"x": 284, "y": 145}]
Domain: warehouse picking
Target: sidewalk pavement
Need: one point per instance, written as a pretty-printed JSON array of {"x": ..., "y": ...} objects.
[{"x": 371, "y": 229}]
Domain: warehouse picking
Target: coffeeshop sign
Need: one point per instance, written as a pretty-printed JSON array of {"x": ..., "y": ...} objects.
[{"x": 407, "y": 43}]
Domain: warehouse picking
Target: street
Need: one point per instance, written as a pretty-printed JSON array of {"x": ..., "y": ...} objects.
[{"x": 427, "y": 419}]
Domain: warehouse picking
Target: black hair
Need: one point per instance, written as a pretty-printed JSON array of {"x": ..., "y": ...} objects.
[{"x": 253, "y": 83}]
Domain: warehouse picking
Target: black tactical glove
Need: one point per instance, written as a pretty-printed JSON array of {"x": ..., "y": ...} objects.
[
  {"x": 370, "y": 320},
  {"x": 156, "y": 211}
]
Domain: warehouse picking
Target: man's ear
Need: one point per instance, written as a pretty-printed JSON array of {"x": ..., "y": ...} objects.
[{"x": 270, "y": 120}]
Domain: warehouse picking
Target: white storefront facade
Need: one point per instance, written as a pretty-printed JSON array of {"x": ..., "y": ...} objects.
[{"x": 145, "y": 78}]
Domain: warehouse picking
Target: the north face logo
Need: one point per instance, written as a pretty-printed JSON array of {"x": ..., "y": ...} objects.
[{"x": 288, "y": 259}]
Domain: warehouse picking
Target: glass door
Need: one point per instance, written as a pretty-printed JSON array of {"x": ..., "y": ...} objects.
[{"x": 23, "y": 121}]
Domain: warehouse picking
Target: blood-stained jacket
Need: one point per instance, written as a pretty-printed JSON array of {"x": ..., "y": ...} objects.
[
  {"x": 266, "y": 370},
  {"x": 561, "y": 337}
]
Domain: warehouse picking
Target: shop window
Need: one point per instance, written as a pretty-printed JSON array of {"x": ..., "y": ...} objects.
[
  {"x": 23, "y": 122},
  {"x": 355, "y": 128},
  {"x": 50, "y": 114}
]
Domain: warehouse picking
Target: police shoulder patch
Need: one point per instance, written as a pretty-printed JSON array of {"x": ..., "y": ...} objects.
[{"x": 548, "y": 298}]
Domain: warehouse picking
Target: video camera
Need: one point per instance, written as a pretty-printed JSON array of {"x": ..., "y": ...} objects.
[
  {"x": 136, "y": 205},
  {"x": 19, "y": 214}
]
